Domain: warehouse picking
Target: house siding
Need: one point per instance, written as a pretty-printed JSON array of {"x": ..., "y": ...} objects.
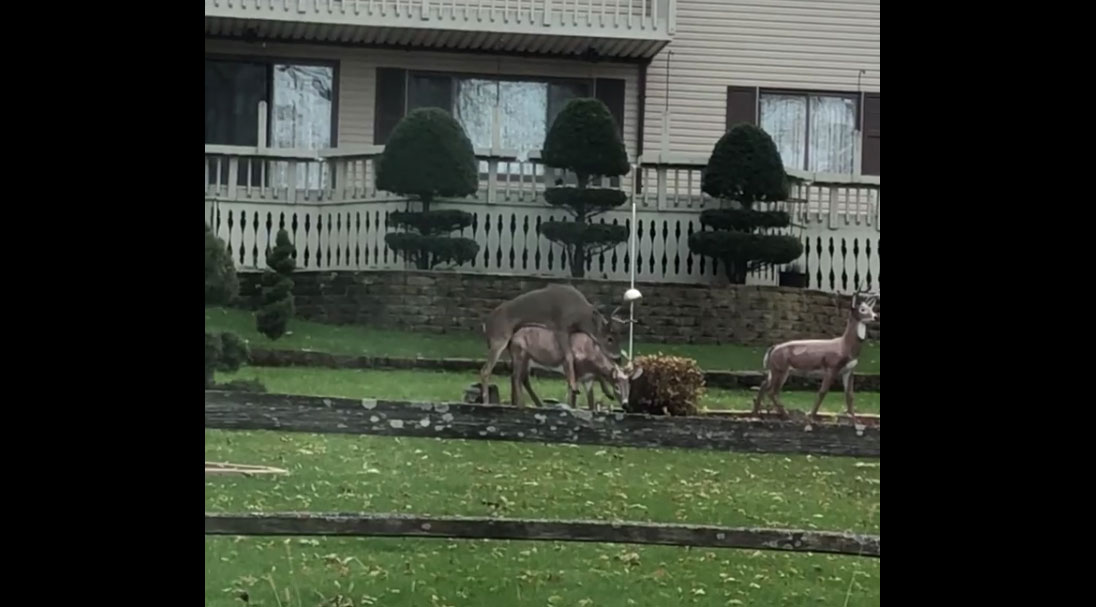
[
  {"x": 358, "y": 69},
  {"x": 791, "y": 44}
]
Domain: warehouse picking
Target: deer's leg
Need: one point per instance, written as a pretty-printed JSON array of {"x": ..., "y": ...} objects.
[
  {"x": 589, "y": 387},
  {"x": 494, "y": 351},
  {"x": 827, "y": 379},
  {"x": 518, "y": 369},
  {"x": 529, "y": 387},
  {"x": 776, "y": 384},
  {"x": 761, "y": 392},
  {"x": 847, "y": 380},
  {"x": 564, "y": 340}
]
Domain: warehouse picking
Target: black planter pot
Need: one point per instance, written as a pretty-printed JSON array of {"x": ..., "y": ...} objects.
[{"x": 796, "y": 280}]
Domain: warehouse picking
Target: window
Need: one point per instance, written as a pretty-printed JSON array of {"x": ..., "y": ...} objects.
[
  {"x": 525, "y": 109},
  {"x": 300, "y": 105},
  {"x": 814, "y": 131}
]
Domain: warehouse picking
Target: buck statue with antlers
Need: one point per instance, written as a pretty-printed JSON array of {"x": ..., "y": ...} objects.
[
  {"x": 560, "y": 309},
  {"x": 828, "y": 357}
]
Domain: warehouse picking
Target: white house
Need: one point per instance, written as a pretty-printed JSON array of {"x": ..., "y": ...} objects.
[{"x": 300, "y": 96}]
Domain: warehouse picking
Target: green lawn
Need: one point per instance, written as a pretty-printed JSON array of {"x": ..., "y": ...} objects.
[
  {"x": 430, "y": 476},
  {"x": 449, "y": 386},
  {"x": 360, "y": 340}
]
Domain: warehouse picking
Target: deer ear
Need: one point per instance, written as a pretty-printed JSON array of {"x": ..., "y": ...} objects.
[{"x": 637, "y": 372}]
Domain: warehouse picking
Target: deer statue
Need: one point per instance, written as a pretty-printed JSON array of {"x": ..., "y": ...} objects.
[
  {"x": 828, "y": 357},
  {"x": 561, "y": 309},
  {"x": 534, "y": 346}
]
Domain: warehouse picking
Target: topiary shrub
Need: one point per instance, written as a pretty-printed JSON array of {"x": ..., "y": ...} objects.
[
  {"x": 221, "y": 283},
  {"x": 745, "y": 168},
  {"x": 276, "y": 306},
  {"x": 224, "y": 352},
  {"x": 669, "y": 385},
  {"x": 427, "y": 156},
  {"x": 585, "y": 139}
]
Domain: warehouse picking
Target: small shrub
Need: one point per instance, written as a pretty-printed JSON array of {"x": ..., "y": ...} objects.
[
  {"x": 221, "y": 284},
  {"x": 225, "y": 352},
  {"x": 670, "y": 385},
  {"x": 277, "y": 308}
]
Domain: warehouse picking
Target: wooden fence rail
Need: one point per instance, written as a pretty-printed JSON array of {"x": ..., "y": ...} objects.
[
  {"x": 411, "y": 525},
  {"x": 283, "y": 412}
]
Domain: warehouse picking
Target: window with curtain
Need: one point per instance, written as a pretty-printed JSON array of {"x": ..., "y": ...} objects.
[
  {"x": 300, "y": 108},
  {"x": 814, "y": 132},
  {"x": 525, "y": 109},
  {"x": 301, "y": 117}
]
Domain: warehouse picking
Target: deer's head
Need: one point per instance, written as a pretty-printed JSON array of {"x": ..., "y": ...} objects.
[
  {"x": 863, "y": 307},
  {"x": 614, "y": 328},
  {"x": 623, "y": 378}
]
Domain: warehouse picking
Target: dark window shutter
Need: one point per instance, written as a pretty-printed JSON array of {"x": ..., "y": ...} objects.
[
  {"x": 390, "y": 102},
  {"x": 870, "y": 147},
  {"x": 610, "y": 91},
  {"x": 741, "y": 105}
]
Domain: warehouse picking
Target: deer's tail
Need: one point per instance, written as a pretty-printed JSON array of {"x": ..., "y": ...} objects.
[{"x": 765, "y": 359}]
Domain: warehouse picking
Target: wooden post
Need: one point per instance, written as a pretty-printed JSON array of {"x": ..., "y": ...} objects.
[{"x": 262, "y": 125}]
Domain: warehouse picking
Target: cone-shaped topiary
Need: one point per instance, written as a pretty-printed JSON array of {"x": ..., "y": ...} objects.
[
  {"x": 276, "y": 307},
  {"x": 585, "y": 140},
  {"x": 745, "y": 168},
  {"x": 223, "y": 351},
  {"x": 669, "y": 385},
  {"x": 427, "y": 156}
]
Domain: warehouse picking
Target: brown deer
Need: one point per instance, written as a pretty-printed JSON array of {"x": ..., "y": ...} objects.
[
  {"x": 561, "y": 309},
  {"x": 828, "y": 357},
  {"x": 533, "y": 346}
]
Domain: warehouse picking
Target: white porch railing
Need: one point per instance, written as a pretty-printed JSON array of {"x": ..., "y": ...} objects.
[{"x": 329, "y": 202}]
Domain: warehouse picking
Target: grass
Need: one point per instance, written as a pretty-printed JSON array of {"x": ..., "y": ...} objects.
[
  {"x": 430, "y": 476},
  {"x": 449, "y": 386},
  {"x": 360, "y": 340}
]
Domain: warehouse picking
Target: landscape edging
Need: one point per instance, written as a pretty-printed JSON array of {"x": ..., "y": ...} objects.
[{"x": 729, "y": 380}]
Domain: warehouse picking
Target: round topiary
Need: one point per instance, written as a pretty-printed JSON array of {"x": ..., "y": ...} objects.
[
  {"x": 430, "y": 223},
  {"x": 585, "y": 202},
  {"x": 591, "y": 239},
  {"x": 669, "y": 385},
  {"x": 745, "y": 166},
  {"x": 586, "y": 139},
  {"x": 429, "y": 251},
  {"x": 743, "y": 220},
  {"x": 428, "y": 155}
]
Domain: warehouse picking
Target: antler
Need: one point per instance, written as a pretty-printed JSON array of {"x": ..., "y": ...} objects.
[{"x": 615, "y": 318}]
